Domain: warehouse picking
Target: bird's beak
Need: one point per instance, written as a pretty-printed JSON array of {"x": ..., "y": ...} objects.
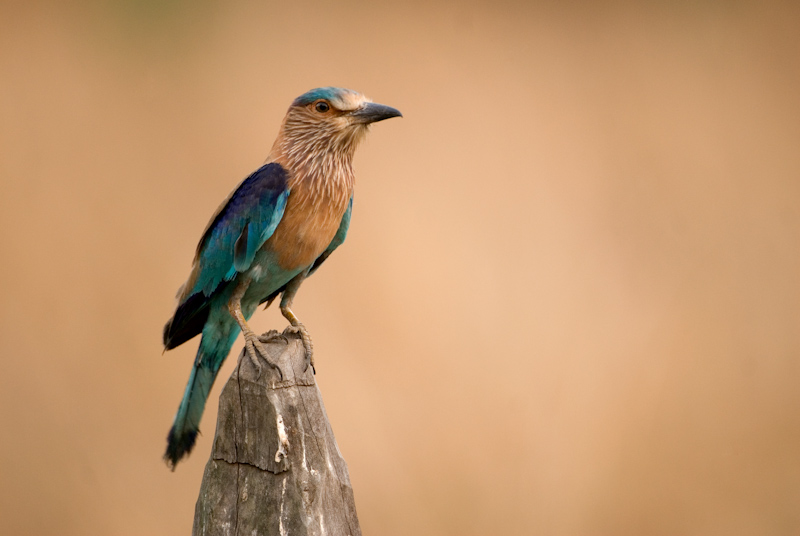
[{"x": 372, "y": 112}]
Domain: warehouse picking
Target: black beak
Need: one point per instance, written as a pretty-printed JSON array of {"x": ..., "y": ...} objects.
[{"x": 372, "y": 112}]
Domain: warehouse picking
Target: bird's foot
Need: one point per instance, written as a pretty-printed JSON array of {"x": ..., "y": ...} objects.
[
  {"x": 254, "y": 348},
  {"x": 308, "y": 345}
]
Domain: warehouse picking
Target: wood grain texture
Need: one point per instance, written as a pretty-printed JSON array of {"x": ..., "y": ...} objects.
[{"x": 275, "y": 467}]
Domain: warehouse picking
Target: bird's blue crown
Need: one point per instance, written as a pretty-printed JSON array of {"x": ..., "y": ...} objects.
[{"x": 327, "y": 93}]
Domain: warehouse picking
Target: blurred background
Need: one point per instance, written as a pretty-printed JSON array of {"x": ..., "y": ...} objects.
[{"x": 569, "y": 299}]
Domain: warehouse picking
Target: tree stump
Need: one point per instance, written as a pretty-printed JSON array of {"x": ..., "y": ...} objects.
[{"x": 275, "y": 467}]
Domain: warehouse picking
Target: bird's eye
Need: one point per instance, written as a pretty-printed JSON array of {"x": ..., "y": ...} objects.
[{"x": 322, "y": 107}]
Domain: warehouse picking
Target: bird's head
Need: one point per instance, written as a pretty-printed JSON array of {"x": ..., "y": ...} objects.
[{"x": 328, "y": 120}]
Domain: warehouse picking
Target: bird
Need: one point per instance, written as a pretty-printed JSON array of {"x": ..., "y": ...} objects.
[{"x": 273, "y": 231}]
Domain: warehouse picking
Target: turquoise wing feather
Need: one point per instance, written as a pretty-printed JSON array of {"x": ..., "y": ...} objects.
[
  {"x": 228, "y": 246},
  {"x": 241, "y": 227}
]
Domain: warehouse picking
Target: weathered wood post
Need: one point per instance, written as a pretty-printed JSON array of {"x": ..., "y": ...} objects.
[{"x": 275, "y": 467}]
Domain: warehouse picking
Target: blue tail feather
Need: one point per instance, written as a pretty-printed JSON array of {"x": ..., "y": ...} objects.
[{"x": 218, "y": 338}]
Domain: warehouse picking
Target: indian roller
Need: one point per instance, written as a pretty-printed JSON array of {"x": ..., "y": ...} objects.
[{"x": 275, "y": 229}]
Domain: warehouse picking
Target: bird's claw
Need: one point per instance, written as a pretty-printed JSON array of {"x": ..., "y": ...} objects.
[
  {"x": 308, "y": 345},
  {"x": 254, "y": 348}
]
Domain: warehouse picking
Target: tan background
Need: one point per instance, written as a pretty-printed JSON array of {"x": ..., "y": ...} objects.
[{"x": 568, "y": 304}]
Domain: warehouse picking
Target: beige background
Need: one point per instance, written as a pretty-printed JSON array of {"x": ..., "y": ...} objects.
[{"x": 568, "y": 304}]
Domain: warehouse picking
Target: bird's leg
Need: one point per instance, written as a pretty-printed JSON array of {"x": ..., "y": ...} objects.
[
  {"x": 286, "y": 310},
  {"x": 252, "y": 344}
]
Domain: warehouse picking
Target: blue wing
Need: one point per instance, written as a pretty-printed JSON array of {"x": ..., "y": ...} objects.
[
  {"x": 228, "y": 246},
  {"x": 241, "y": 227}
]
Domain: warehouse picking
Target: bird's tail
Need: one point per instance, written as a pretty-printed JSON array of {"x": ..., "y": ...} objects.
[{"x": 214, "y": 348}]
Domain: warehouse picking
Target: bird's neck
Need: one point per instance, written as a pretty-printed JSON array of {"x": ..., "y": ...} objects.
[{"x": 324, "y": 169}]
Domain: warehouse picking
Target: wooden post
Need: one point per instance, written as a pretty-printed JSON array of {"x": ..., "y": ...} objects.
[{"x": 275, "y": 468}]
